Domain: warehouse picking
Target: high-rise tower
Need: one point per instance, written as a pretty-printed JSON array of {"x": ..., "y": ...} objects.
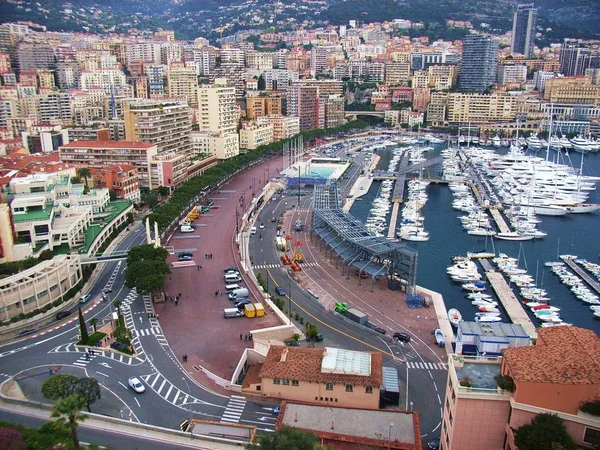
[
  {"x": 479, "y": 63},
  {"x": 523, "y": 31}
]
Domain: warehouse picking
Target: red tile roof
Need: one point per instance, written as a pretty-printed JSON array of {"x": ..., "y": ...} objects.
[
  {"x": 304, "y": 364},
  {"x": 562, "y": 355},
  {"x": 108, "y": 144}
]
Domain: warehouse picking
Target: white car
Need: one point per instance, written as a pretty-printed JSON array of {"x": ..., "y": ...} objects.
[
  {"x": 84, "y": 298},
  {"x": 136, "y": 385}
]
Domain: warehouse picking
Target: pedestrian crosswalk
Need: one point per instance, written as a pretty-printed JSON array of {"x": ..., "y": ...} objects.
[
  {"x": 167, "y": 390},
  {"x": 147, "y": 331},
  {"x": 83, "y": 361},
  {"x": 234, "y": 409},
  {"x": 281, "y": 266},
  {"x": 426, "y": 365}
]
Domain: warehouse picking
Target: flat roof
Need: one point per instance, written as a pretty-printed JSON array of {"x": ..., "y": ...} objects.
[
  {"x": 498, "y": 330},
  {"x": 349, "y": 362},
  {"x": 362, "y": 426},
  {"x": 108, "y": 144},
  {"x": 34, "y": 213}
]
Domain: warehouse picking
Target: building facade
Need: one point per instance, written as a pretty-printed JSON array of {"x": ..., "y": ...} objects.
[
  {"x": 523, "y": 31},
  {"x": 479, "y": 63}
]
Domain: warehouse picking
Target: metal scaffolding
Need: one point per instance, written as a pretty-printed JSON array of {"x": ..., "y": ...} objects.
[{"x": 350, "y": 243}]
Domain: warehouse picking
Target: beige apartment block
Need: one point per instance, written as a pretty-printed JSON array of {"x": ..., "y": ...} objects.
[
  {"x": 253, "y": 136},
  {"x": 260, "y": 105},
  {"x": 323, "y": 376},
  {"x": 182, "y": 82},
  {"x": 216, "y": 107},
  {"x": 480, "y": 108},
  {"x": 397, "y": 73},
  {"x": 572, "y": 91},
  {"x": 283, "y": 126},
  {"x": 38, "y": 286}
]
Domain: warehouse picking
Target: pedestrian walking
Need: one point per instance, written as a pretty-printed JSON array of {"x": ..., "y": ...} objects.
[
  {"x": 216, "y": 293},
  {"x": 206, "y": 256},
  {"x": 176, "y": 301},
  {"x": 198, "y": 267},
  {"x": 179, "y": 296},
  {"x": 240, "y": 336}
]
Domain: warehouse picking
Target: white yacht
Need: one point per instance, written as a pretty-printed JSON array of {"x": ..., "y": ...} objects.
[
  {"x": 581, "y": 144},
  {"x": 533, "y": 142},
  {"x": 496, "y": 141}
]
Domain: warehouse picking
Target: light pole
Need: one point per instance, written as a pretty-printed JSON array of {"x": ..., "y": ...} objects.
[
  {"x": 390, "y": 435},
  {"x": 191, "y": 412},
  {"x": 237, "y": 221}
]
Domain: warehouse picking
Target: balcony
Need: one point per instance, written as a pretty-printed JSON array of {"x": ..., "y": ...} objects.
[{"x": 475, "y": 376}]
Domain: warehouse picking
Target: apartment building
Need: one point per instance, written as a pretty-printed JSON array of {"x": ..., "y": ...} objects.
[
  {"x": 512, "y": 74},
  {"x": 167, "y": 124},
  {"x": 100, "y": 154},
  {"x": 523, "y": 31},
  {"x": 182, "y": 82},
  {"x": 34, "y": 55},
  {"x": 324, "y": 376},
  {"x": 218, "y": 116},
  {"x": 38, "y": 286},
  {"x": 260, "y": 105},
  {"x": 480, "y": 108},
  {"x": 259, "y": 60},
  {"x": 279, "y": 78},
  {"x": 479, "y": 60},
  {"x": 572, "y": 91},
  {"x": 303, "y": 102},
  {"x": 575, "y": 59},
  {"x": 89, "y": 133},
  {"x": 553, "y": 376},
  {"x": 102, "y": 78},
  {"x": 255, "y": 135},
  {"x": 283, "y": 126},
  {"x": 397, "y": 73},
  {"x": 121, "y": 178}
]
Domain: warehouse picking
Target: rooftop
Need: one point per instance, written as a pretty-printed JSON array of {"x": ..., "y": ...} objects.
[
  {"x": 481, "y": 374},
  {"x": 306, "y": 364},
  {"x": 562, "y": 355},
  {"x": 108, "y": 144},
  {"x": 503, "y": 330},
  {"x": 34, "y": 214},
  {"x": 359, "y": 426}
]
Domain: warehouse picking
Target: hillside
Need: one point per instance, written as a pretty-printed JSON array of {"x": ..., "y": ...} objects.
[{"x": 214, "y": 18}]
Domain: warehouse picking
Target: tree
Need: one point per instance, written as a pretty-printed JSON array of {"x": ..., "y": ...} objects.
[
  {"x": 311, "y": 330},
  {"x": 117, "y": 304},
  {"x": 163, "y": 191},
  {"x": 287, "y": 438},
  {"x": 12, "y": 439},
  {"x": 75, "y": 180},
  {"x": 152, "y": 200},
  {"x": 67, "y": 412},
  {"x": 113, "y": 194},
  {"x": 93, "y": 322},
  {"x": 146, "y": 269},
  {"x": 545, "y": 432},
  {"x": 58, "y": 386},
  {"x": 83, "y": 329},
  {"x": 84, "y": 172},
  {"x": 88, "y": 389}
]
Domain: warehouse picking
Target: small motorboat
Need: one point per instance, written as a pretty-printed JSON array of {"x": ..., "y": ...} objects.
[
  {"x": 488, "y": 319},
  {"x": 487, "y": 314},
  {"x": 454, "y": 316},
  {"x": 488, "y": 309},
  {"x": 440, "y": 340}
]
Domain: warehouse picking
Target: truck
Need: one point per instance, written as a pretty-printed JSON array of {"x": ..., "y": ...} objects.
[
  {"x": 281, "y": 243},
  {"x": 356, "y": 316}
]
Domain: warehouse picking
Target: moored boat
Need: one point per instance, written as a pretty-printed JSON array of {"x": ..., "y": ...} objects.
[{"x": 454, "y": 316}]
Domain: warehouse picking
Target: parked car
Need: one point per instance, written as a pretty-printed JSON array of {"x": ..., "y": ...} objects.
[
  {"x": 227, "y": 270},
  {"x": 280, "y": 290},
  {"x": 434, "y": 444},
  {"x": 190, "y": 254},
  {"x": 403, "y": 337},
  {"x": 184, "y": 258},
  {"x": 84, "y": 298},
  {"x": 136, "y": 385},
  {"x": 27, "y": 332},
  {"x": 242, "y": 302},
  {"x": 63, "y": 314},
  {"x": 375, "y": 328},
  {"x": 262, "y": 226}
]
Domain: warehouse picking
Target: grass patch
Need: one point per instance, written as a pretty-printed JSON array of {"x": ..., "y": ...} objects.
[{"x": 95, "y": 337}]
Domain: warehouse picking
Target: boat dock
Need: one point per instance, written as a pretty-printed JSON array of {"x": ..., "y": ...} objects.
[
  {"x": 393, "y": 221},
  {"x": 511, "y": 304},
  {"x": 582, "y": 273},
  {"x": 500, "y": 222}
]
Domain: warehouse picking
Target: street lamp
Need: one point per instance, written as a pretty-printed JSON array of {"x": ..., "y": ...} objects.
[
  {"x": 191, "y": 412},
  {"x": 390, "y": 435}
]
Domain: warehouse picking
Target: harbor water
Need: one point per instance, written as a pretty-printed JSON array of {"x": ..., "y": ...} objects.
[{"x": 574, "y": 234}]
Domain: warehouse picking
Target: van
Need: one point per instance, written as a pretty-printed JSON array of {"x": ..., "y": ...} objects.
[
  {"x": 186, "y": 229},
  {"x": 232, "y": 312},
  {"x": 232, "y": 287},
  {"x": 242, "y": 292},
  {"x": 231, "y": 278},
  {"x": 253, "y": 230}
]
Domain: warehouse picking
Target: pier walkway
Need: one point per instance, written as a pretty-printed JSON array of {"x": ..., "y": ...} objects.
[
  {"x": 500, "y": 222},
  {"x": 582, "y": 273},
  {"x": 393, "y": 221},
  {"x": 511, "y": 304}
]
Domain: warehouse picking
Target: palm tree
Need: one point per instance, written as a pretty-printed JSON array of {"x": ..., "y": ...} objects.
[
  {"x": 84, "y": 172},
  {"x": 93, "y": 322},
  {"x": 117, "y": 304},
  {"x": 67, "y": 412}
]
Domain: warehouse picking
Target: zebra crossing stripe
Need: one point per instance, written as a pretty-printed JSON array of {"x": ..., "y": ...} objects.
[
  {"x": 168, "y": 392},
  {"x": 161, "y": 386},
  {"x": 155, "y": 380}
]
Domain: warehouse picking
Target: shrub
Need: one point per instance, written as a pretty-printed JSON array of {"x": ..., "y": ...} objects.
[
  {"x": 95, "y": 337},
  {"x": 591, "y": 407},
  {"x": 505, "y": 382},
  {"x": 466, "y": 382}
]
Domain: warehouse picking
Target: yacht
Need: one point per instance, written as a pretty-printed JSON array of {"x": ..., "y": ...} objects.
[
  {"x": 533, "y": 142},
  {"x": 496, "y": 141},
  {"x": 581, "y": 144}
]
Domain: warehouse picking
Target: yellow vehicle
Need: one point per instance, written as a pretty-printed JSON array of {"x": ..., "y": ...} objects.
[
  {"x": 298, "y": 256},
  {"x": 260, "y": 309},
  {"x": 249, "y": 310}
]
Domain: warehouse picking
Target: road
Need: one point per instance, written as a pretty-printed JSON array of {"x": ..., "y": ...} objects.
[{"x": 172, "y": 396}]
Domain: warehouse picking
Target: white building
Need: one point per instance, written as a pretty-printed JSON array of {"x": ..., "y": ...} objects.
[
  {"x": 512, "y": 74},
  {"x": 253, "y": 136},
  {"x": 102, "y": 78}
]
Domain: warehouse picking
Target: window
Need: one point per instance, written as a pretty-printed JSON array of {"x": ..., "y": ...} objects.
[
  {"x": 276, "y": 381},
  {"x": 258, "y": 387},
  {"x": 369, "y": 389},
  {"x": 286, "y": 381},
  {"x": 42, "y": 294},
  {"x": 329, "y": 386},
  {"x": 349, "y": 388},
  {"x": 295, "y": 383},
  {"x": 591, "y": 436}
]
